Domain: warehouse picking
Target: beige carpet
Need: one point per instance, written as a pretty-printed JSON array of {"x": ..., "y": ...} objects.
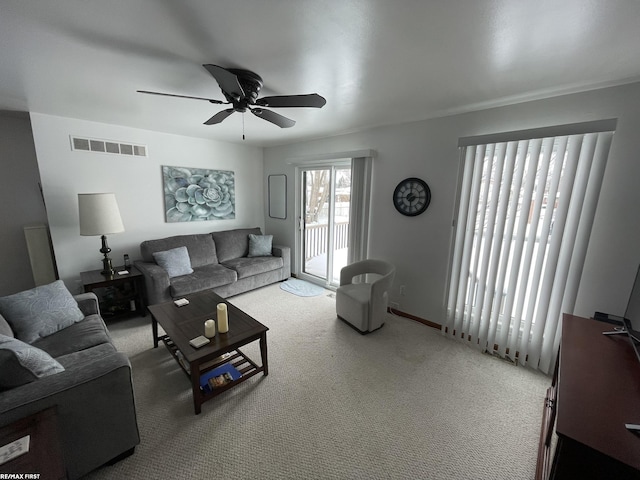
[{"x": 401, "y": 403}]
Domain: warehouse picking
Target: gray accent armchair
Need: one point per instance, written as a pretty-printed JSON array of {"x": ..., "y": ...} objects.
[{"x": 363, "y": 304}]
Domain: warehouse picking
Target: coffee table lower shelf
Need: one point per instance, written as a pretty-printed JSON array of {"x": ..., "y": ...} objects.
[{"x": 247, "y": 367}]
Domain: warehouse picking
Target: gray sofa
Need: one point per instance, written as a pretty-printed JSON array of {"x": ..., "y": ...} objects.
[
  {"x": 220, "y": 262},
  {"x": 93, "y": 396}
]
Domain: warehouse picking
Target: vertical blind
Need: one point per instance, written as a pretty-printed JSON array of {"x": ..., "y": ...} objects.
[
  {"x": 361, "y": 168},
  {"x": 525, "y": 214}
]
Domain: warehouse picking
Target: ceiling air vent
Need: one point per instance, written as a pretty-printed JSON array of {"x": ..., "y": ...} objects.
[{"x": 107, "y": 146}]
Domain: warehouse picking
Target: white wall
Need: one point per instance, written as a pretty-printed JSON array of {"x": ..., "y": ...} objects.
[
  {"x": 419, "y": 246},
  {"x": 137, "y": 183}
]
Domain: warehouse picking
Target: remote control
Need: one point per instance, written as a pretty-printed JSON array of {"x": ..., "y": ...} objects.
[
  {"x": 198, "y": 342},
  {"x": 181, "y": 302}
]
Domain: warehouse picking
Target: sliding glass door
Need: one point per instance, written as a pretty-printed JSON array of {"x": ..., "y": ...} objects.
[{"x": 324, "y": 232}]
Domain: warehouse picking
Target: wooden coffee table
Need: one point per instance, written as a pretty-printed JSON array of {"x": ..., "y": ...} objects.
[{"x": 181, "y": 324}]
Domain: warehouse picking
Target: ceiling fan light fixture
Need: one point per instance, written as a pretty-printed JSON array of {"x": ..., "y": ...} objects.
[{"x": 241, "y": 89}]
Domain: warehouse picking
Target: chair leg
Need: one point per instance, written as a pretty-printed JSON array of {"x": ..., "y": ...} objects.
[
  {"x": 376, "y": 329},
  {"x": 122, "y": 456},
  {"x": 366, "y": 332}
]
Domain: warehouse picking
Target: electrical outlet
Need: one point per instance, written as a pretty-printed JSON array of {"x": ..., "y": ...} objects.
[{"x": 403, "y": 291}]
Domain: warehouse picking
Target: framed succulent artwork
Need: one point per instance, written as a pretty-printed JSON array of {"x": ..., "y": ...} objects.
[{"x": 197, "y": 194}]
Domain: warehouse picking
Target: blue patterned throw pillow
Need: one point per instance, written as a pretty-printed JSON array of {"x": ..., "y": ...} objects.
[
  {"x": 21, "y": 363},
  {"x": 175, "y": 261},
  {"x": 260, "y": 245},
  {"x": 41, "y": 311}
]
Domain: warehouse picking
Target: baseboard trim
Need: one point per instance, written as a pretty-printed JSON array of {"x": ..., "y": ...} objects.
[
  {"x": 424, "y": 321},
  {"x": 515, "y": 359},
  {"x": 431, "y": 324}
]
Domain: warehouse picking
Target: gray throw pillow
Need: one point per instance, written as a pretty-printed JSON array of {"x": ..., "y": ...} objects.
[
  {"x": 260, "y": 245},
  {"x": 5, "y": 328},
  {"x": 21, "y": 363},
  {"x": 41, "y": 311},
  {"x": 175, "y": 261}
]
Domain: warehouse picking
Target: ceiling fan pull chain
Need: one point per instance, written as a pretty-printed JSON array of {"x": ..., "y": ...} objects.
[{"x": 242, "y": 125}]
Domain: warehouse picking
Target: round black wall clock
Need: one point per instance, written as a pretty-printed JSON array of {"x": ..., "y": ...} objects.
[{"x": 412, "y": 196}]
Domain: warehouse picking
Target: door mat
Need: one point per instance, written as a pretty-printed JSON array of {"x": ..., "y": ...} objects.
[{"x": 301, "y": 288}]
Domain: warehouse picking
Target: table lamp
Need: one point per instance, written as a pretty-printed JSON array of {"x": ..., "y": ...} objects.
[{"x": 100, "y": 215}]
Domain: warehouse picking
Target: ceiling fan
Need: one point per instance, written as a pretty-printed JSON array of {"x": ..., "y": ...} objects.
[{"x": 241, "y": 88}]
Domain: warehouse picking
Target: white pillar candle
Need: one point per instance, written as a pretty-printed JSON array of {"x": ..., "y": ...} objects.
[
  {"x": 223, "y": 319},
  {"x": 210, "y": 328}
]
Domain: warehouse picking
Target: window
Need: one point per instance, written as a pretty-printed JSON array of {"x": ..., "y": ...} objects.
[{"x": 525, "y": 213}]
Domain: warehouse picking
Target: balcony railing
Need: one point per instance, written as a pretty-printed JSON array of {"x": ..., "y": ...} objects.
[{"x": 315, "y": 238}]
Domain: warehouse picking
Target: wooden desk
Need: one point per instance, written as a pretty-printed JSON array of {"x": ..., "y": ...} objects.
[{"x": 597, "y": 390}]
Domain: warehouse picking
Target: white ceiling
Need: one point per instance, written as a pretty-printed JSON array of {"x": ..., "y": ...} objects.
[{"x": 377, "y": 62}]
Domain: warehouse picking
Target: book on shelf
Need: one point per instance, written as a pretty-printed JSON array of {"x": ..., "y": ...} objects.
[
  {"x": 219, "y": 359},
  {"x": 183, "y": 362},
  {"x": 219, "y": 377}
]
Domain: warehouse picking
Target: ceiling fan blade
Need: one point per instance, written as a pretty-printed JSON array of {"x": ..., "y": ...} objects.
[
  {"x": 220, "y": 116},
  {"x": 183, "y": 96},
  {"x": 311, "y": 100},
  {"x": 228, "y": 82},
  {"x": 273, "y": 117}
]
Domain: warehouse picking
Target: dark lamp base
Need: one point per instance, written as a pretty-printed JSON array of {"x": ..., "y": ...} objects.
[{"x": 107, "y": 267}]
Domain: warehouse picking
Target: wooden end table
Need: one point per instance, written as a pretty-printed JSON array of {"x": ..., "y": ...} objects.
[
  {"x": 43, "y": 457},
  {"x": 127, "y": 288},
  {"x": 182, "y": 324}
]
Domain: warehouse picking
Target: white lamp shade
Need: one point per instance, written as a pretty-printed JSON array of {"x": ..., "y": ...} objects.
[{"x": 99, "y": 214}]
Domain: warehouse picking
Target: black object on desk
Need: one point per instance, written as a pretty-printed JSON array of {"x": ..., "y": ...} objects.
[{"x": 607, "y": 317}]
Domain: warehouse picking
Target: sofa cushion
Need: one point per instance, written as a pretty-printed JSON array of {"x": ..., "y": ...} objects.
[
  {"x": 202, "y": 278},
  {"x": 202, "y": 250},
  {"x": 233, "y": 243},
  {"x": 41, "y": 311},
  {"x": 22, "y": 363},
  {"x": 247, "y": 267},
  {"x": 80, "y": 336},
  {"x": 80, "y": 358},
  {"x": 260, "y": 245},
  {"x": 175, "y": 261},
  {"x": 5, "y": 328}
]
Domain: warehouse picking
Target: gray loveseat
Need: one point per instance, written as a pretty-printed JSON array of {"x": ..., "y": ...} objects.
[
  {"x": 93, "y": 395},
  {"x": 220, "y": 261}
]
